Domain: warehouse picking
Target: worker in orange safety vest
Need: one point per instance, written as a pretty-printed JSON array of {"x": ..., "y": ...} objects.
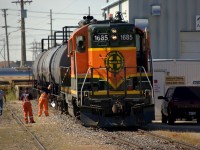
[
  {"x": 27, "y": 107},
  {"x": 43, "y": 102}
]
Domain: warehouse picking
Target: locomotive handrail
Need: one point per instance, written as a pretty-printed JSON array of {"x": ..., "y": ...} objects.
[
  {"x": 84, "y": 84},
  {"x": 152, "y": 95},
  {"x": 65, "y": 73}
]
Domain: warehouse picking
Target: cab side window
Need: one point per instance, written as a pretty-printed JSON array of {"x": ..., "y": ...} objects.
[{"x": 80, "y": 44}]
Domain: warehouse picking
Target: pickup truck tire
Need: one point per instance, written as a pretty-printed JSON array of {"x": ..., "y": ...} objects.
[
  {"x": 171, "y": 117},
  {"x": 164, "y": 118},
  {"x": 198, "y": 120}
]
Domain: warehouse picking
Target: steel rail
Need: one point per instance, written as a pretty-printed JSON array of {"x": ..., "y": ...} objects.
[
  {"x": 122, "y": 140},
  {"x": 144, "y": 131},
  {"x": 39, "y": 144}
]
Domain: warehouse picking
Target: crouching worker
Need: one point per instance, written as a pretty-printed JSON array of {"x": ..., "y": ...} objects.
[
  {"x": 27, "y": 107},
  {"x": 43, "y": 102}
]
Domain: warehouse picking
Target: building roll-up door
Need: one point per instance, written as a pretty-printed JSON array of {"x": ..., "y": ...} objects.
[{"x": 189, "y": 45}]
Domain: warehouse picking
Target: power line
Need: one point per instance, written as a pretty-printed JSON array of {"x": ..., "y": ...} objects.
[
  {"x": 55, "y": 13},
  {"x": 29, "y": 28}
]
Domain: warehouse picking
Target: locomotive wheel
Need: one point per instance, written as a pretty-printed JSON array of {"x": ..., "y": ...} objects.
[
  {"x": 64, "y": 107},
  {"x": 74, "y": 110}
]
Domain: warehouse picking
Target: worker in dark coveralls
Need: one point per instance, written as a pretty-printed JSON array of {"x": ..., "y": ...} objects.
[
  {"x": 2, "y": 96},
  {"x": 27, "y": 107}
]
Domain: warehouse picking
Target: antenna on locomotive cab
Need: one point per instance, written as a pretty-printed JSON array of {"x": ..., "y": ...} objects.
[{"x": 89, "y": 11}]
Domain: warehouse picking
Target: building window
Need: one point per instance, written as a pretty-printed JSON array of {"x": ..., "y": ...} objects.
[
  {"x": 155, "y": 10},
  {"x": 142, "y": 23}
]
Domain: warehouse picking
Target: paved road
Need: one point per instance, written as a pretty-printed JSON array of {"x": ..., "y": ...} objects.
[{"x": 188, "y": 126}]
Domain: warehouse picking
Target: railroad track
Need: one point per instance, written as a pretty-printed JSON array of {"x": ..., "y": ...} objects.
[
  {"x": 21, "y": 124},
  {"x": 139, "y": 139},
  {"x": 183, "y": 144},
  {"x": 145, "y": 140}
]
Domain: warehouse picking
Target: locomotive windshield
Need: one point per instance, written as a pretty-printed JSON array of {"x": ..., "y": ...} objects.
[{"x": 119, "y": 35}]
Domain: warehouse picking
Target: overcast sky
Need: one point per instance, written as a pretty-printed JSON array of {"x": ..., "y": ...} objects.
[{"x": 37, "y": 23}]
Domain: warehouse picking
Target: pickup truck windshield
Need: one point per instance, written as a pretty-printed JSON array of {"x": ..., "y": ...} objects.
[{"x": 187, "y": 93}]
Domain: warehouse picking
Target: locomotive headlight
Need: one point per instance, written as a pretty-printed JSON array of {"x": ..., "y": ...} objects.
[
  {"x": 113, "y": 30},
  {"x": 114, "y": 37}
]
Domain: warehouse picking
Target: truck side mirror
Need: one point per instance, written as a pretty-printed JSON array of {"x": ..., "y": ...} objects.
[{"x": 162, "y": 97}]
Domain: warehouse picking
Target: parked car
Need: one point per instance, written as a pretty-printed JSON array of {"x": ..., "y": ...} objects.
[{"x": 181, "y": 102}]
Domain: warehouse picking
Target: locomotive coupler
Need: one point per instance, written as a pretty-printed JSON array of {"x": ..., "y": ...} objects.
[{"x": 117, "y": 107}]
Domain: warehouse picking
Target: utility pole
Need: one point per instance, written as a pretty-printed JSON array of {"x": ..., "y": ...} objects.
[
  {"x": 4, "y": 51},
  {"x": 7, "y": 42},
  {"x": 23, "y": 36},
  {"x": 51, "y": 31}
]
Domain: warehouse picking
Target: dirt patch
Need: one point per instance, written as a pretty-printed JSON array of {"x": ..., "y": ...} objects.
[{"x": 57, "y": 131}]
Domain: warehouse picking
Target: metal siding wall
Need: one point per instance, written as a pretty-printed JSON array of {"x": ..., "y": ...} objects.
[
  {"x": 172, "y": 22},
  {"x": 176, "y": 16},
  {"x": 197, "y": 7},
  {"x": 162, "y": 32},
  {"x": 155, "y": 30}
]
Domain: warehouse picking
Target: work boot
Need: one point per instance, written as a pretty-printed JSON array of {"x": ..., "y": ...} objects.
[{"x": 32, "y": 121}]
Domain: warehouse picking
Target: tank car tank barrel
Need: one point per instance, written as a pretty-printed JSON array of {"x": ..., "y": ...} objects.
[{"x": 48, "y": 43}]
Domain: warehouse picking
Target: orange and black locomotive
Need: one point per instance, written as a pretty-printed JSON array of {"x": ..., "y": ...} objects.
[{"x": 101, "y": 73}]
